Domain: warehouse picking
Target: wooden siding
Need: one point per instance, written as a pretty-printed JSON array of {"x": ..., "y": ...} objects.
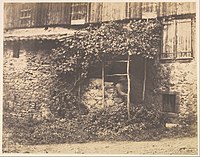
[
  {"x": 95, "y": 12},
  {"x": 134, "y": 10},
  {"x": 101, "y": 12},
  {"x": 172, "y": 8},
  {"x": 167, "y": 8},
  {"x": 12, "y": 15},
  {"x": 118, "y": 11},
  {"x": 186, "y": 8},
  {"x": 59, "y": 13},
  {"x": 53, "y": 14},
  {"x": 8, "y": 11},
  {"x": 43, "y": 14},
  {"x": 113, "y": 11}
]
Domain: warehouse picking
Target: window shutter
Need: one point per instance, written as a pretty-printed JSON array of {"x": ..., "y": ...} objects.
[
  {"x": 184, "y": 38},
  {"x": 169, "y": 103},
  {"x": 169, "y": 41}
]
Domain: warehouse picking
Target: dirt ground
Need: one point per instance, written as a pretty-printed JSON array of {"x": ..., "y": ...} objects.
[{"x": 179, "y": 146}]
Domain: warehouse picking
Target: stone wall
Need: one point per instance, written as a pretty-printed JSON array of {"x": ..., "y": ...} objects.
[
  {"x": 178, "y": 77},
  {"x": 27, "y": 80}
]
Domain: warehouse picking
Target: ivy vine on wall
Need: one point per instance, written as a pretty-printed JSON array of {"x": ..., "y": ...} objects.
[
  {"x": 78, "y": 53},
  {"x": 92, "y": 45}
]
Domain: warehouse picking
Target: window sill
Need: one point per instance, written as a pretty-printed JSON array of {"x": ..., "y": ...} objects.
[
  {"x": 78, "y": 22},
  {"x": 170, "y": 60},
  {"x": 170, "y": 114},
  {"x": 24, "y": 18},
  {"x": 167, "y": 60},
  {"x": 185, "y": 58}
]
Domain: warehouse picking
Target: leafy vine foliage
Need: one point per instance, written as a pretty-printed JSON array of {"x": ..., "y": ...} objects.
[
  {"x": 94, "y": 44},
  {"x": 78, "y": 53}
]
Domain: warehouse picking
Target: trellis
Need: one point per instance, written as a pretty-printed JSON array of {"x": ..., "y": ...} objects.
[
  {"x": 139, "y": 37},
  {"x": 127, "y": 74}
]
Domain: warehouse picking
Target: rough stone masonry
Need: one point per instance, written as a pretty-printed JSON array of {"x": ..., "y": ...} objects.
[{"x": 27, "y": 82}]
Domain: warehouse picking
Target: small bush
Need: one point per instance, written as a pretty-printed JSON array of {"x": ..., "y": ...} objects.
[
  {"x": 67, "y": 105},
  {"x": 105, "y": 124}
]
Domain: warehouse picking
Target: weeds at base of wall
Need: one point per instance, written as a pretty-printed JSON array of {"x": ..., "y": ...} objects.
[{"x": 103, "y": 125}]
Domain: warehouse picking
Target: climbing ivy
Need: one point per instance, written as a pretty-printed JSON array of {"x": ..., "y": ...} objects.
[{"x": 95, "y": 43}]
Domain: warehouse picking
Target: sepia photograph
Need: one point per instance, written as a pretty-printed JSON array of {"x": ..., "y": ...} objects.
[{"x": 100, "y": 78}]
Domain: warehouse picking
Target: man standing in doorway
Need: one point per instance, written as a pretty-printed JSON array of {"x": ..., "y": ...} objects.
[{"x": 122, "y": 88}]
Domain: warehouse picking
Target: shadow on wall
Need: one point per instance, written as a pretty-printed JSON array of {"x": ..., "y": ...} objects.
[{"x": 156, "y": 77}]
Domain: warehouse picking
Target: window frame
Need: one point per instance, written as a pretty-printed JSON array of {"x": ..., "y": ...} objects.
[
  {"x": 25, "y": 15},
  {"x": 191, "y": 51},
  {"x": 80, "y": 21},
  {"x": 177, "y": 101},
  {"x": 175, "y": 56},
  {"x": 170, "y": 95}
]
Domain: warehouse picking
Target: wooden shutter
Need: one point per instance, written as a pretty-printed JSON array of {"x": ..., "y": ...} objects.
[
  {"x": 113, "y": 11},
  {"x": 169, "y": 41},
  {"x": 184, "y": 45},
  {"x": 169, "y": 103}
]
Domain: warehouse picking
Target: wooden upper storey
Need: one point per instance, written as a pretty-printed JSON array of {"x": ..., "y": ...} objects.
[{"x": 24, "y": 15}]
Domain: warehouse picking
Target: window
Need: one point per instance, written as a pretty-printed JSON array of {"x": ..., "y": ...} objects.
[
  {"x": 177, "y": 39},
  {"x": 149, "y": 10},
  {"x": 25, "y": 15},
  {"x": 184, "y": 38},
  {"x": 79, "y": 12},
  {"x": 169, "y": 103},
  {"x": 16, "y": 50}
]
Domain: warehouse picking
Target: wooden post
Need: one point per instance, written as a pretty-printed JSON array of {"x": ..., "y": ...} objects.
[
  {"x": 103, "y": 86},
  {"x": 79, "y": 86},
  {"x": 78, "y": 73},
  {"x": 144, "y": 81},
  {"x": 129, "y": 88}
]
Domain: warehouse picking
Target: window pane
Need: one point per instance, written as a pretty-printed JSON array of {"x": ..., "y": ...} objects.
[
  {"x": 25, "y": 15},
  {"x": 78, "y": 14},
  {"x": 184, "y": 38},
  {"x": 169, "y": 41}
]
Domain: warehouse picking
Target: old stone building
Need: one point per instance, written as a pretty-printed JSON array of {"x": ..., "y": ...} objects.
[{"x": 31, "y": 31}]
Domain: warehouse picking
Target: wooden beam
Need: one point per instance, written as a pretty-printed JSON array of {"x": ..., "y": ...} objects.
[
  {"x": 117, "y": 75},
  {"x": 144, "y": 81},
  {"x": 129, "y": 88},
  {"x": 118, "y": 61},
  {"x": 103, "y": 85},
  {"x": 79, "y": 86}
]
